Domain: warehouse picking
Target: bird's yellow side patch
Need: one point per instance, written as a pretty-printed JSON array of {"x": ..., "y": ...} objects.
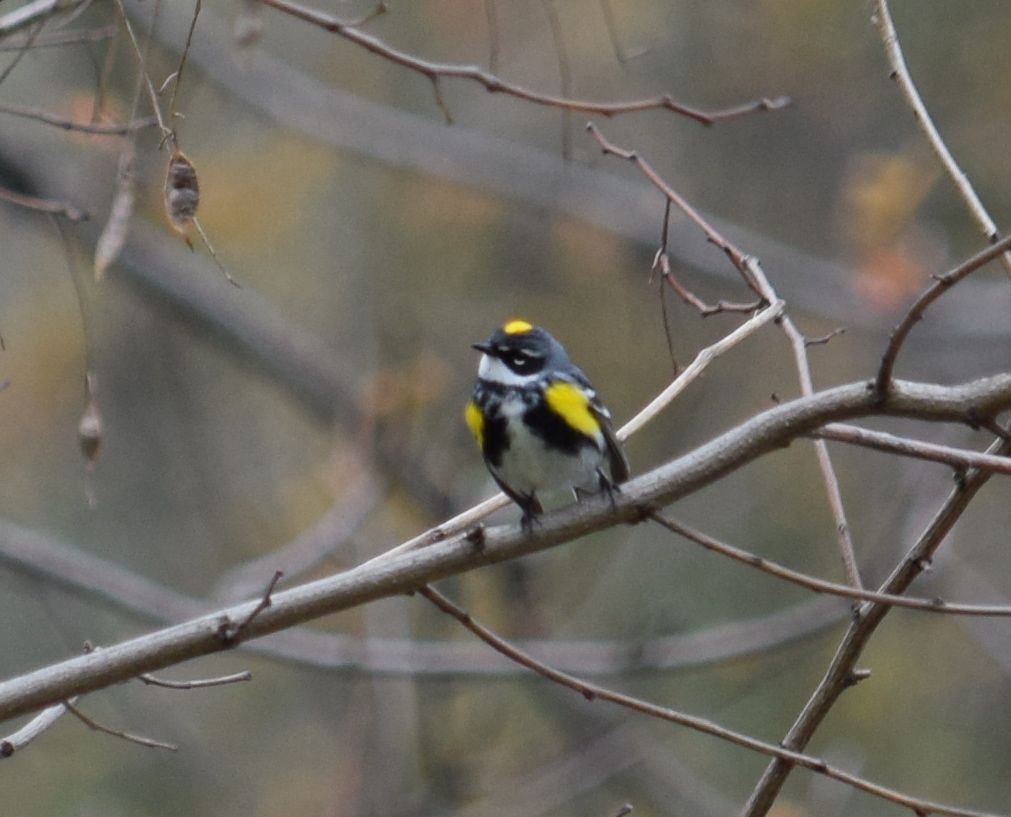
[
  {"x": 475, "y": 422},
  {"x": 573, "y": 406},
  {"x": 517, "y": 327}
]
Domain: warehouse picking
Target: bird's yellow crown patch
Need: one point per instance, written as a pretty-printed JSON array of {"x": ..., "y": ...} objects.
[
  {"x": 517, "y": 327},
  {"x": 572, "y": 405}
]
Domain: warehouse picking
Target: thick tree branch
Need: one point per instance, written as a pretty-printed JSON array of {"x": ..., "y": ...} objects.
[
  {"x": 730, "y": 451},
  {"x": 89, "y": 576}
]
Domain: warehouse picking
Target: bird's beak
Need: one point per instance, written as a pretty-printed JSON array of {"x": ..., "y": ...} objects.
[{"x": 482, "y": 347}]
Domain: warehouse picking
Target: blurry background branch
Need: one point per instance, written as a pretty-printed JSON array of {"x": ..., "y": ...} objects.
[{"x": 373, "y": 242}]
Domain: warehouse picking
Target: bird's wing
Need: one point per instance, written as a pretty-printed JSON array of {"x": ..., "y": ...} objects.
[{"x": 617, "y": 461}]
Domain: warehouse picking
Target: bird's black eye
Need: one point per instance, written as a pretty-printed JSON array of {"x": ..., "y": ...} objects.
[{"x": 521, "y": 362}]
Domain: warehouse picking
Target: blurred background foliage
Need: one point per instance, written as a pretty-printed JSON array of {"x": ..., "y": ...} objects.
[{"x": 371, "y": 252}]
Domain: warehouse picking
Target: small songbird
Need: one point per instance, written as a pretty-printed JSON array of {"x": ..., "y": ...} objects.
[{"x": 538, "y": 421}]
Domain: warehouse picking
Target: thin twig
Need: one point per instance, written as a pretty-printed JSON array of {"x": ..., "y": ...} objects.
[
  {"x": 98, "y": 727},
  {"x": 595, "y": 692},
  {"x": 737, "y": 258},
  {"x": 199, "y": 683},
  {"x": 661, "y": 261},
  {"x": 56, "y": 39},
  {"x": 49, "y": 206},
  {"x": 440, "y": 101},
  {"x": 842, "y": 529},
  {"x": 564, "y": 72},
  {"x": 182, "y": 60},
  {"x": 491, "y": 16},
  {"x": 900, "y": 73},
  {"x": 942, "y": 283},
  {"x": 99, "y": 128},
  {"x": 957, "y": 458},
  {"x": 230, "y": 631},
  {"x": 36, "y": 11},
  {"x": 822, "y": 340},
  {"x": 26, "y": 46},
  {"x": 695, "y": 369},
  {"x": 620, "y": 54},
  {"x": 936, "y": 605},
  {"x": 496, "y": 85},
  {"x": 755, "y": 279},
  {"x": 140, "y": 54}
]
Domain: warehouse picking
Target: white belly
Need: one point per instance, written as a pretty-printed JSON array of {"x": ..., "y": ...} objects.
[{"x": 528, "y": 466}]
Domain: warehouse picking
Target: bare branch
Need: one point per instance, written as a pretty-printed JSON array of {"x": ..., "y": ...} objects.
[
  {"x": 620, "y": 54},
  {"x": 842, "y": 529},
  {"x": 766, "y": 432},
  {"x": 116, "y": 733},
  {"x": 99, "y": 128},
  {"x": 56, "y": 39},
  {"x": 230, "y": 631},
  {"x": 936, "y": 605},
  {"x": 900, "y": 73},
  {"x": 31, "y": 730},
  {"x": 594, "y": 692},
  {"x": 491, "y": 15},
  {"x": 564, "y": 72},
  {"x": 36, "y": 11},
  {"x": 49, "y": 206},
  {"x": 737, "y": 258},
  {"x": 64, "y": 567},
  {"x": 754, "y": 277},
  {"x": 958, "y": 458},
  {"x": 199, "y": 683},
  {"x": 182, "y": 60},
  {"x": 494, "y": 84},
  {"x": 141, "y": 55},
  {"x": 822, "y": 340},
  {"x": 838, "y": 678},
  {"x": 942, "y": 283}
]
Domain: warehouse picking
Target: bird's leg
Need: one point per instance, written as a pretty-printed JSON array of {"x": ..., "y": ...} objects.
[
  {"x": 531, "y": 511},
  {"x": 608, "y": 486}
]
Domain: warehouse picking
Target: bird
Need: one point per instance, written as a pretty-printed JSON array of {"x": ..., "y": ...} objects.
[{"x": 538, "y": 422}]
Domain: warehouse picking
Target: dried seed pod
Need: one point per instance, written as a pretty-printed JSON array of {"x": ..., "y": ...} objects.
[
  {"x": 113, "y": 236},
  {"x": 182, "y": 191}
]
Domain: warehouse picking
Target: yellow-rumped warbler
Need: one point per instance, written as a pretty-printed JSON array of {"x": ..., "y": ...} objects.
[{"x": 538, "y": 421}]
